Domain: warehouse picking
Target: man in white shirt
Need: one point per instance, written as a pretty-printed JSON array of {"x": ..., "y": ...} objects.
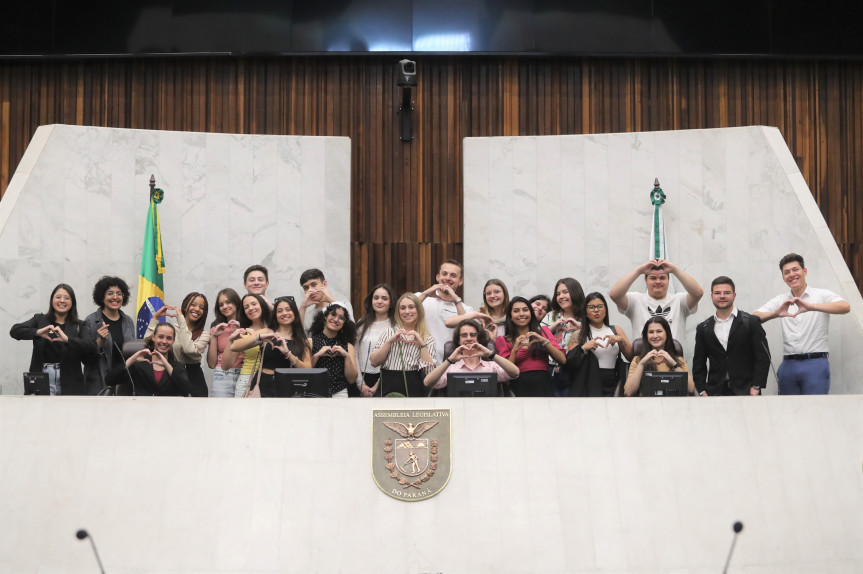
[
  {"x": 440, "y": 302},
  {"x": 805, "y": 314},
  {"x": 317, "y": 297},
  {"x": 735, "y": 345},
  {"x": 640, "y": 307},
  {"x": 256, "y": 280}
]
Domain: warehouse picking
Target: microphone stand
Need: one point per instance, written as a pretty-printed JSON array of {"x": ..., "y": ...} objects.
[
  {"x": 738, "y": 526},
  {"x": 81, "y": 535}
]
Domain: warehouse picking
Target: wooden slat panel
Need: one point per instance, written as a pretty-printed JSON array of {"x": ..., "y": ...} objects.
[{"x": 406, "y": 211}]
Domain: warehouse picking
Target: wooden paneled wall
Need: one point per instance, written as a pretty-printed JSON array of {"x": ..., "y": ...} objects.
[{"x": 406, "y": 207}]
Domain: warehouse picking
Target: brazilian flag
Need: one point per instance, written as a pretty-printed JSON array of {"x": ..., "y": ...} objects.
[{"x": 150, "y": 289}]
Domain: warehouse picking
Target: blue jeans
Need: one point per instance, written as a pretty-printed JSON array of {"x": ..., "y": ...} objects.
[
  {"x": 224, "y": 382},
  {"x": 806, "y": 377}
]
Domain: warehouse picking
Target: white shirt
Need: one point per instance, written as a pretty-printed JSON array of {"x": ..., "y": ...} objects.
[
  {"x": 606, "y": 355},
  {"x": 366, "y": 345},
  {"x": 641, "y": 307},
  {"x": 722, "y": 327},
  {"x": 437, "y": 311},
  {"x": 807, "y": 332},
  {"x": 312, "y": 311}
]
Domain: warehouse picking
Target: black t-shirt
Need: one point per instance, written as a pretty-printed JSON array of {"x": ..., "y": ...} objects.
[{"x": 115, "y": 328}]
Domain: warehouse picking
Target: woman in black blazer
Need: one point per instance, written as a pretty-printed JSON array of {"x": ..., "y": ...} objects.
[
  {"x": 154, "y": 371},
  {"x": 58, "y": 348}
]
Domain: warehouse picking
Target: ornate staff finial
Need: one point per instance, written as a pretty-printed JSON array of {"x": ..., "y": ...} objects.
[
  {"x": 657, "y": 196},
  {"x": 156, "y": 194}
]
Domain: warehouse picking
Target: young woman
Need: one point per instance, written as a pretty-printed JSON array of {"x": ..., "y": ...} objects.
[
  {"x": 109, "y": 328},
  {"x": 226, "y": 322},
  {"x": 191, "y": 338},
  {"x": 333, "y": 335},
  {"x": 529, "y": 347},
  {"x": 155, "y": 371},
  {"x": 254, "y": 318},
  {"x": 564, "y": 321},
  {"x": 541, "y": 305},
  {"x": 284, "y": 347},
  {"x": 592, "y": 360},
  {"x": 58, "y": 348},
  {"x": 406, "y": 351},
  {"x": 658, "y": 354},
  {"x": 380, "y": 315},
  {"x": 492, "y": 312},
  {"x": 471, "y": 354}
]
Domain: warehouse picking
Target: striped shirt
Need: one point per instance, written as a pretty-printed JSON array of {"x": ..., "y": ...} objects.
[{"x": 406, "y": 355}]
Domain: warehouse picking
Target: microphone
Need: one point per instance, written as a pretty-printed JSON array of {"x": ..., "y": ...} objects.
[
  {"x": 81, "y": 535},
  {"x": 738, "y": 527}
]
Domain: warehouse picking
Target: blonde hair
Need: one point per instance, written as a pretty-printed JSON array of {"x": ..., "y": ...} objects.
[{"x": 421, "y": 315}]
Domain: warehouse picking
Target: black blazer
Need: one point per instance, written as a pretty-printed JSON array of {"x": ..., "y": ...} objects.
[
  {"x": 176, "y": 384},
  {"x": 72, "y": 353},
  {"x": 746, "y": 361}
]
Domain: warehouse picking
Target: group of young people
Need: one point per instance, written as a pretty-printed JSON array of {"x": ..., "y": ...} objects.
[{"x": 407, "y": 345}]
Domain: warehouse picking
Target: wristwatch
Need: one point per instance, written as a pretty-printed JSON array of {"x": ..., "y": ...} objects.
[{"x": 457, "y": 300}]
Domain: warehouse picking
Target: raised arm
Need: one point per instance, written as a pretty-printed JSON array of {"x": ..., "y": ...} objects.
[
  {"x": 618, "y": 292},
  {"x": 694, "y": 292}
]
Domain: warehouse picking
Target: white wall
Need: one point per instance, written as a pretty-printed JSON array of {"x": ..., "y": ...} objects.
[
  {"x": 538, "y": 485},
  {"x": 76, "y": 209},
  {"x": 541, "y": 208}
]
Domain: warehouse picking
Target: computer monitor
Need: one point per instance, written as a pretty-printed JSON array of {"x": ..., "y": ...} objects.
[
  {"x": 664, "y": 384},
  {"x": 464, "y": 384},
  {"x": 302, "y": 383},
  {"x": 36, "y": 384}
]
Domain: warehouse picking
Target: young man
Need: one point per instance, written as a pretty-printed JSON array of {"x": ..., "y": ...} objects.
[
  {"x": 735, "y": 345},
  {"x": 805, "y": 312},
  {"x": 440, "y": 302},
  {"x": 317, "y": 297},
  {"x": 256, "y": 280},
  {"x": 640, "y": 307}
]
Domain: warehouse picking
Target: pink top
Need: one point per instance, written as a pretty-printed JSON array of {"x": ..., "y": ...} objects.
[
  {"x": 522, "y": 360},
  {"x": 222, "y": 344},
  {"x": 483, "y": 367}
]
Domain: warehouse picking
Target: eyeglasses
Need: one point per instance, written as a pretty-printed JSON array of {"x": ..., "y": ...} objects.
[
  {"x": 467, "y": 335},
  {"x": 284, "y": 298},
  {"x": 339, "y": 318},
  {"x": 114, "y": 294},
  {"x": 599, "y": 307}
]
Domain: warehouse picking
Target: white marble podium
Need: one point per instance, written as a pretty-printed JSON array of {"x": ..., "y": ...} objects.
[
  {"x": 537, "y": 209},
  {"x": 76, "y": 209},
  {"x": 538, "y": 485}
]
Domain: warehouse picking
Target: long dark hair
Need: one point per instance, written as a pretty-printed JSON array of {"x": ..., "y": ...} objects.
[
  {"x": 584, "y": 336},
  {"x": 72, "y": 313},
  {"x": 348, "y": 332},
  {"x": 536, "y": 348},
  {"x": 669, "y": 341},
  {"x": 232, "y": 297},
  {"x": 370, "y": 316},
  {"x": 265, "y": 311},
  {"x": 576, "y": 295},
  {"x": 297, "y": 342},
  {"x": 481, "y": 334},
  {"x": 196, "y": 327}
]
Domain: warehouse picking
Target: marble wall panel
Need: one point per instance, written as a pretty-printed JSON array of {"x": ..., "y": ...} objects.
[
  {"x": 595, "y": 485},
  {"x": 736, "y": 203},
  {"x": 77, "y": 210}
]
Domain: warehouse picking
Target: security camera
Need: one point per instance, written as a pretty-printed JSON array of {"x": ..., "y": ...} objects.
[{"x": 407, "y": 73}]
